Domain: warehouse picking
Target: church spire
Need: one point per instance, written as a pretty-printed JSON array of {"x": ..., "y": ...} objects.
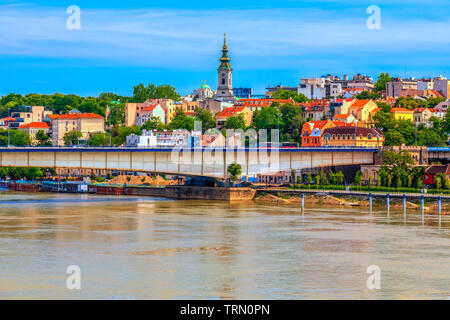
[{"x": 225, "y": 60}]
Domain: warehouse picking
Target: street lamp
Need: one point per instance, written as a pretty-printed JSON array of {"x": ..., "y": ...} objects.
[{"x": 109, "y": 115}]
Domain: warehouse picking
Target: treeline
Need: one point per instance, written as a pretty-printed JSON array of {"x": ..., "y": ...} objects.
[
  {"x": 19, "y": 173},
  {"x": 398, "y": 132},
  {"x": 62, "y": 103}
]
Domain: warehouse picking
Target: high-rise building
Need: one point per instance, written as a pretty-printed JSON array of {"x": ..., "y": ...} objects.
[{"x": 224, "y": 76}]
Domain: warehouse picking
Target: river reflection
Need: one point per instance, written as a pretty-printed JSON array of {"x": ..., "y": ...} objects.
[{"x": 148, "y": 248}]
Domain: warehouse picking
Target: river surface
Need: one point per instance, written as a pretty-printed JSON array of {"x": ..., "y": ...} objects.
[{"x": 150, "y": 248}]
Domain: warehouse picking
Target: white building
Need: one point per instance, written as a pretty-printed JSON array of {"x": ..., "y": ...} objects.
[{"x": 312, "y": 88}]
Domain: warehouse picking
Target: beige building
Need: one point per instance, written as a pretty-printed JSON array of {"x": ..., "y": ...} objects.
[
  {"x": 32, "y": 128},
  {"x": 30, "y": 114},
  {"x": 86, "y": 123},
  {"x": 363, "y": 110}
]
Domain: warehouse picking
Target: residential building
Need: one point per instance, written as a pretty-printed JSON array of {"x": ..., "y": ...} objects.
[
  {"x": 5, "y": 122},
  {"x": 352, "y": 136},
  {"x": 351, "y": 93},
  {"x": 443, "y": 86},
  {"x": 346, "y": 118},
  {"x": 362, "y": 110},
  {"x": 396, "y": 85},
  {"x": 32, "y": 128},
  {"x": 257, "y": 104},
  {"x": 222, "y": 116},
  {"x": 312, "y": 88},
  {"x": 422, "y": 116},
  {"x": 28, "y": 114},
  {"x": 312, "y": 132},
  {"x": 340, "y": 106},
  {"x": 402, "y": 114},
  {"x": 429, "y": 177},
  {"x": 425, "y": 84},
  {"x": 86, "y": 123},
  {"x": 151, "y": 111}
]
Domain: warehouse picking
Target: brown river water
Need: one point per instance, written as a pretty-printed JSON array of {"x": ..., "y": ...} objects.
[{"x": 150, "y": 248}]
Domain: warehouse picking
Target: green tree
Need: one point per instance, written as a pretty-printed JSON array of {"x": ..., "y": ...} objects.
[
  {"x": 235, "y": 122},
  {"x": 154, "y": 124},
  {"x": 234, "y": 170},
  {"x": 72, "y": 138},
  {"x": 317, "y": 178},
  {"x": 43, "y": 138},
  {"x": 438, "y": 182},
  {"x": 292, "y": 122},
  {"x": 382, "y": 80},
  {"x": 206, "y": 117},
  {"x": 358, "y": 178},
  {"x": 267, "y": 118},
  {"x": 286, "y": 94},
  {"x": 309, "y": 180},
  {"x": 98, "y": 139},
  {"x": 181, "y": 121},
  {"x": 332, "y": 177},
  {"x": 339, "y": 177},
  {"x": 3, "y": 172}
]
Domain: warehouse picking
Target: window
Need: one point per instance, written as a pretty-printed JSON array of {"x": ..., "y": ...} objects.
[
  {"x": 223, "y": 81},
  {"x": 369, "y": 136}
]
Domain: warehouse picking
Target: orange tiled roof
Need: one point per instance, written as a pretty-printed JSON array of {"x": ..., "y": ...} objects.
[
  {"x": 228, "y": 112},
  {"x": 342, "y": 116},
  {"x": 150, "y": 107},
  {"x": 358, "y": 104},
  {"x": 42, "y": 125},
  {"x": 8, "y": 119},
  {"x": 78, "y": 116},
  {"x": 400, "y": 110}
]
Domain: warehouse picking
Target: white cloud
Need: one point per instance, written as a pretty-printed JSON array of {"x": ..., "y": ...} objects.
[{"x": 191, "y": 39}]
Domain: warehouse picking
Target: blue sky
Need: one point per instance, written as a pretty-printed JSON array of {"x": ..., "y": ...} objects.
[{"x": 123, "y": 43}]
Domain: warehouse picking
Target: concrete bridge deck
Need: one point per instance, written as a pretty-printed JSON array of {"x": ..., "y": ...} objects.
[{"x": 211, "y": 162}]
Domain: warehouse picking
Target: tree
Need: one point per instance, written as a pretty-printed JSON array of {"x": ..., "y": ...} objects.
[
  {"x": 317, "y": 180},
  {"x": 117, "y": 114},
  {"x": 292, "y": 122},
  {"x": 339, "y": 177},
  {"x": 309, "y": 179},
  {"x": 235, "y": 122},
  {"x": 141, "y": 93},
  {"x": 438, "y": 182},
  {"x": 154, "y": 124},
  {"x": 17, "y": 138},
  {"x": 71, "y": 138},
  {"x": 332, "y": 177},
  {"x": 358, "y": 178},
  {"x": 234, "y": 170},
  {"x": 367, "y": 95},
  {"x": 382, "y": 80},
  {"x": 3, "y": 172},
  {"x": 286, "y": 94},
  {"x": 98, "y": 139},
  {"x": 33, "y": 173},
  {"x": 181, "y": 121},
  {"x": 267, "y": 118},
  {"x": 206, "y": 117},
  {"x": 43, "y": 138}
]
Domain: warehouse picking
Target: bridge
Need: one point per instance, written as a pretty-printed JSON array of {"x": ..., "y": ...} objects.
[
  {"x": 209, "y": 162},
  {"x": 439, "y": 153}
]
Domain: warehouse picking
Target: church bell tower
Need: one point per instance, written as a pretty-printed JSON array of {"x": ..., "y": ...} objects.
[{"x": 224, "y": 76}]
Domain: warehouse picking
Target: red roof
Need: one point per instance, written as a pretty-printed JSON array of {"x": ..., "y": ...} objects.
[
  {"x": 78, "y": 116},
  {"x": 400, "y": 110},
  {"x": 8, "y": 119},
  {"x": 42, "y": 125},
  {"x": 151, "y": 107},
  {"x": 228, "y": 112},
  {"x": 342, "y": 116},
  {"x": 360, "y": 103}
]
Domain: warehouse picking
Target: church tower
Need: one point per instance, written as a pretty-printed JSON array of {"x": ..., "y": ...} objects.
[{"x": 224, "y": 76}]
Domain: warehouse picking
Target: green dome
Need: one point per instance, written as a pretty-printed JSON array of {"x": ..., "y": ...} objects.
[{"x": 204, "y": 86}]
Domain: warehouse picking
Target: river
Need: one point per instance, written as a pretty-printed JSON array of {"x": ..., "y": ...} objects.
[{"x": 150, "y": 248}]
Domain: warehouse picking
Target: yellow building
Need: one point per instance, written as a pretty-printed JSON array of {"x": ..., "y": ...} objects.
[
  {"x": 362, "y": 110},
  {"x": 223, "y": 115},
  {"x": 86, "y": 123},
  {"x": 352, "y": 136},
  {"x": 402, "y": 114}
]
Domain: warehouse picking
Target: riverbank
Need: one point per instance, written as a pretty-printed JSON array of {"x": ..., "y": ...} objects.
[{"x": 337, "y": 198}]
